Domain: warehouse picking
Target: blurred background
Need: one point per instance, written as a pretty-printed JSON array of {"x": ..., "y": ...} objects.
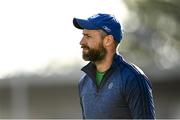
[{"x": 40, "y": 56}]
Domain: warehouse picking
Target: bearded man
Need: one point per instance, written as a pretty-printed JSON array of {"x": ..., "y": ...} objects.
[{"x": 111, "y": 87}]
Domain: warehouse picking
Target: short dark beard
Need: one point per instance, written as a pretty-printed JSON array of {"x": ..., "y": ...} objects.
[{"x": 95, "y": 54}]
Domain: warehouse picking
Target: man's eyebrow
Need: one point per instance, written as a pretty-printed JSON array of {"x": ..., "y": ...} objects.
[{"x": 86, "y": 34}]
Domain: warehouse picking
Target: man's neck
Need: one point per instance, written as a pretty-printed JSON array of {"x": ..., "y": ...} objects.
[{"x": 105, "y": 64}]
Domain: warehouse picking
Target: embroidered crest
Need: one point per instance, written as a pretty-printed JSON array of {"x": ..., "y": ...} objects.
[{"x": 110, "y": 85}]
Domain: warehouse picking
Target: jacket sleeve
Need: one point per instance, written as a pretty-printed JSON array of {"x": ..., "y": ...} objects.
[
  {"x": 82, "y": 108},
  {"x": 138, "y": 94},
  {"x": 79, "y": 87}
]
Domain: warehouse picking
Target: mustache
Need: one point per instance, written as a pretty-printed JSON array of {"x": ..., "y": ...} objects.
[{"x": 84, "y": 46}]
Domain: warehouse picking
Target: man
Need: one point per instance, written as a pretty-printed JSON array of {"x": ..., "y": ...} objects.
[{"x": 111, "y": 87}]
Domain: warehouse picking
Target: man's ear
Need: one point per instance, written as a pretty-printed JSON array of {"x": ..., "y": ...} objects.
[{"x": 108, "y": 40}]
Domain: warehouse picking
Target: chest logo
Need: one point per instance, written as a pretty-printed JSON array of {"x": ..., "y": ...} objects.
[{"x": 110, "y": 85}]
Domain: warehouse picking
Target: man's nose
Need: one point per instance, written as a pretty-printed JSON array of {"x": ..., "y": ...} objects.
[{"x": 82, "y": 42}]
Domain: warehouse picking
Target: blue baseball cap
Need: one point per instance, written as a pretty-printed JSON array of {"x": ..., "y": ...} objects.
[{"x": 105, "y": 22}]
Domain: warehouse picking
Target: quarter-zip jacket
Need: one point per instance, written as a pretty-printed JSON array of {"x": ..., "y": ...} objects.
[{"x": 125, "y": 92}]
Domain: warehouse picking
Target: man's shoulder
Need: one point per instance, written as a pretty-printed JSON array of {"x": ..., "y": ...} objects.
[
  {"x": 133, "y": 74},
  {"x": 129, "y": 69},
  {"x": 133, "y": 70},
  {"x": 82, "y": 79}
]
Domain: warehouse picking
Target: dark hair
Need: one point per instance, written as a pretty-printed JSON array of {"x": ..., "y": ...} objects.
[{"x": 104, "y": 34}]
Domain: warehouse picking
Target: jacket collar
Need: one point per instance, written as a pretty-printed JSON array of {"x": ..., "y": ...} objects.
[{"x": 90, "y": 68}]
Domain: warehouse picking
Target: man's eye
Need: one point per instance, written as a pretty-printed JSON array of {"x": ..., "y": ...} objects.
[{"x": 88, "y": 36}]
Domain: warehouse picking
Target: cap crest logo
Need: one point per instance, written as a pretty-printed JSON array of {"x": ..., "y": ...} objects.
[{"x": 106, "y": 29}]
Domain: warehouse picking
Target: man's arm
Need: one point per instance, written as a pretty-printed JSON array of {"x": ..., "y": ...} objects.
[
  {"x": 138, "y": 92},
  {"x": 80, "y": 98},
  {"x": 82, "y": 108}
]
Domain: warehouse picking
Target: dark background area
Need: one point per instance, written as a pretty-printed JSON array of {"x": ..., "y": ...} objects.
[{"x": 53, "y": 96}]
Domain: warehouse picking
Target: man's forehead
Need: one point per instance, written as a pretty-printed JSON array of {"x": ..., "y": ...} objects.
[{"x": 86, "y": 31}]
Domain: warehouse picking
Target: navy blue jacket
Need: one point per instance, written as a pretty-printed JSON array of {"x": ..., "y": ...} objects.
[{"x": 125, "y": 92}]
